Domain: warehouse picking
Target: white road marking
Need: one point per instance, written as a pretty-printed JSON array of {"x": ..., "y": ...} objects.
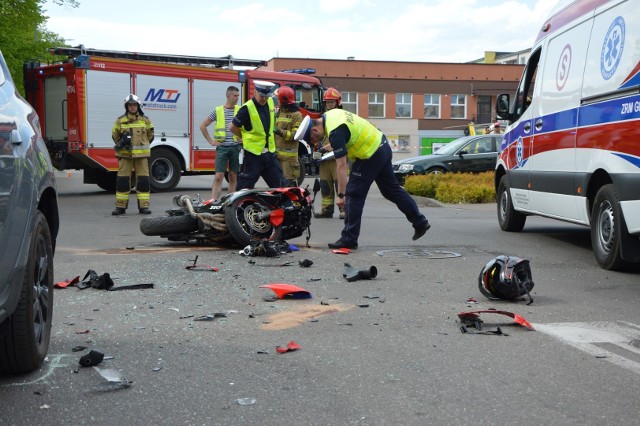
[
  {"x": 594, "y": 337},
  {"x": 55, "y": 362}
]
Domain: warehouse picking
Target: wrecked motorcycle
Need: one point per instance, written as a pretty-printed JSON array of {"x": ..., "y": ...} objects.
[{"x": 243, "y": 217}]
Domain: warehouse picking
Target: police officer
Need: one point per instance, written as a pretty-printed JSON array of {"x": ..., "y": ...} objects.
[
  {"x": 133, "y": 134},
  {"x": 288, "y": 120},
  {"x": 254, "y": 124},
  {"x": 327, "y": 169},
  {"x": 355, "y": 137}
]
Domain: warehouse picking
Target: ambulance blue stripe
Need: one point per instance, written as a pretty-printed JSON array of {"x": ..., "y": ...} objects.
[
  {"x": 630, "y": 158},
  {"x": 610, "y": 111}
]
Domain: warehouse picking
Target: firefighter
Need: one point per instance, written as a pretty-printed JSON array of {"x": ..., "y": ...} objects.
[
  {"x": 364, "y": 144},
  {"x": 132, "y": 134},
  {"x": 254, "y": 124},
  {"x": 288, "y": 120},
  {"x": 327, "y": 169}
]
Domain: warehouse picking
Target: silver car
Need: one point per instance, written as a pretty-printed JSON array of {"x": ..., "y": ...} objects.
[{"x": 28, "y": 230}]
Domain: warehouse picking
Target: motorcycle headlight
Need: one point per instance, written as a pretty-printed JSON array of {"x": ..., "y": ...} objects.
[{"x": 405, "y": 168}]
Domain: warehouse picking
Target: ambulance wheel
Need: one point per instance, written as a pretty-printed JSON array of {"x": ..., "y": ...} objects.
[
  {"x": 164, "y": 170},
  {"x": 509, "y": 219},
  {"x": 607, "y": 229}
]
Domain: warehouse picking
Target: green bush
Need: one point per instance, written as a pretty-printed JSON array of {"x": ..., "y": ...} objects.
[{"x": 453, "y": 187}]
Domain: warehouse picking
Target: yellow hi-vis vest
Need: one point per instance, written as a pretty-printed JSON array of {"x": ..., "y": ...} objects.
[
  {"x": 365, "y": 137},
  {"x": 254, "y": 141},
  {"x": 220, "y": 131}
]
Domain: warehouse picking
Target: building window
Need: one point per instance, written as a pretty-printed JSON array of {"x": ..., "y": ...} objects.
[
  {"x": 315, "y": 101},
  {"x": 350, "y": 102},
  {"x": 403, "y": 105},
  {"x": 431, "y": 106},
  {"x": 458, "y": 106},
  {"x": 376, "y": 105}
]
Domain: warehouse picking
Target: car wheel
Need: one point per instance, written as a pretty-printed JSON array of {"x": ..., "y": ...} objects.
[
  {"x": 435, "y": 170},
  {"x": 509, "y": 219},
  {"x": 25, "y": 344},
  {"x": 607, "y": 230}
]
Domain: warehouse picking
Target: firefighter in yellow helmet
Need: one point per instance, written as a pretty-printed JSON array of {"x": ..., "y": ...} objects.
[
  {"x": 288, "y": 120},
  {"x": 328, "y": 172},
  {"x": 132, "y": 134}
]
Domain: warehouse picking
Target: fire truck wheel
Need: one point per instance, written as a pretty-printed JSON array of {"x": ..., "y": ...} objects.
[
  {"x": 509, "y": 219},
  {"x": 164, "y": 170},
  {"x": 607, "y": 229}
]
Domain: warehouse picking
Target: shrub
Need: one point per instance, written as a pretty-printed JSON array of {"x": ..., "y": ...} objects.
[{"x": 453, "y": 187}]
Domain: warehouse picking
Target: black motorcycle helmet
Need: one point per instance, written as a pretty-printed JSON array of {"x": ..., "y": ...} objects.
[{"x": 506, "y": 277}]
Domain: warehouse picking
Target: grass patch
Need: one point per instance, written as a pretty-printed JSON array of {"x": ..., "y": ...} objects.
[{"x": 453, "y": 188}]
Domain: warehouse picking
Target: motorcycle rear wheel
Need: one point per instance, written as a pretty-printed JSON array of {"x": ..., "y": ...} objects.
[
  {"x": 168, "y": 225},
  {"x": 244, "y": 222}
]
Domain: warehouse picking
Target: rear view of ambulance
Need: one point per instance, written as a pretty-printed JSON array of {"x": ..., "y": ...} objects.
[{"x": 572, "y": 149}]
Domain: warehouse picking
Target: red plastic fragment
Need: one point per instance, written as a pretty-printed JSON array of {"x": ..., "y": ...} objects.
[
  {"x": 518, "y": 319},
  {"x": 288, "y": 290},
  {"x": 341, "y": 251},
  {"x": 291, "y": 346},
  {"x": 67, "y": 282}
]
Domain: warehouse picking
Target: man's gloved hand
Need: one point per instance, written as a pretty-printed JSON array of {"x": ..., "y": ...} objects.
[{"x": 277, "y": 131}]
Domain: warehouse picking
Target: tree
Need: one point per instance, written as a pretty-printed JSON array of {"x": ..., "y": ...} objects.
[{"x": 24, "y": 35}]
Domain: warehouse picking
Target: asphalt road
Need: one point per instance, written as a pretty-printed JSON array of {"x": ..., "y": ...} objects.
[{"x": 387, "y": 351}]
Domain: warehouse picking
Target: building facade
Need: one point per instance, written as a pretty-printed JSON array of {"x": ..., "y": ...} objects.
[{"x": 416, "y": 104}]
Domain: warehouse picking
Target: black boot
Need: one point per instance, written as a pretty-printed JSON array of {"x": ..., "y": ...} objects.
[
  {"x": 144, "y": 210},
  {"x": 119, "y": 211}
]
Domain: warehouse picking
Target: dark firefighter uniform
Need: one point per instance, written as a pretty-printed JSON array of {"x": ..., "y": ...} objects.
[{"x": 133, "y": 157}]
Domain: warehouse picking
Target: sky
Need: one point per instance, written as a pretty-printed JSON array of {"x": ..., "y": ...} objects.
[{"x": 409, "y": 30}]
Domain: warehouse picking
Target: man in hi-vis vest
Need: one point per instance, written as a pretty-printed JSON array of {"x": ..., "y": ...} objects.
[
  {"x": 370, "y": 153},
  {"x": 132, "y": 134},
  {"x": 227, "y": 144},
  {"x": 254, "y": 124}
]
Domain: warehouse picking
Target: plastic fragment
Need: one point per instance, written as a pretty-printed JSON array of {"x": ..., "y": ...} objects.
[
  {"x": 288, "y": 291},
  {"x": 291, "y": 346}
]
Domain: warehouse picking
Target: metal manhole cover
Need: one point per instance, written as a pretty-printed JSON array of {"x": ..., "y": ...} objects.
[{"x": 431, "y": 254}]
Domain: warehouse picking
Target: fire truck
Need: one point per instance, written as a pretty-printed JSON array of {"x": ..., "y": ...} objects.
[{"x": 79, "y": 98}]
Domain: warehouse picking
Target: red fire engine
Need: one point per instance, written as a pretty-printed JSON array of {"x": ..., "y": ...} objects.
[{"x": 79, "y": 99}]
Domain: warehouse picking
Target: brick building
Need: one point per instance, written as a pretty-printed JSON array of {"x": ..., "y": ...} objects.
[{"x": 414, "y": 103}]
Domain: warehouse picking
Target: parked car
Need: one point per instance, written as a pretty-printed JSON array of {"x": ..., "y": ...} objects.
[
  {"x": 28, "y": 231},
  {"x": 466, "y": 154}
]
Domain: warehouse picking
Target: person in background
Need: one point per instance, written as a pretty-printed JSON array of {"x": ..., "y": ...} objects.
[
  {"x": 288, "y": 120},
  {"x": 132, "y": 133},
  {"x": 364, "y": 144},
  {"x": 227, "y": 144},
  {"x": 254, "y": 124},
  {"x": 327, "y": 169}
]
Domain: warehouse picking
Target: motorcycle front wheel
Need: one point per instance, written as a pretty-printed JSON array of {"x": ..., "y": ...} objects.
[
  {"x": 168, "y": 225},
  {"x": 246, "y": 222}
]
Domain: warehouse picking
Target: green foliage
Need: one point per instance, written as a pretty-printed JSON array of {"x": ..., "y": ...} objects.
[
  {"x": 453, "y": 187},
  {"x": 24, "y": 35}
]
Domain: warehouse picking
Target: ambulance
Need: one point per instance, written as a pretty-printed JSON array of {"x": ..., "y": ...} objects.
[
  {"x": 79, "y": 98},
  {"x": 572, "y": 149}
]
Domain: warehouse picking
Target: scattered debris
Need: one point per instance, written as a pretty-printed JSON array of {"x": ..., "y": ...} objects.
[
  {"x": 496, "y": 332},
  {"x": 92, "y": 358},
  {"x": 507, "y": 278},
  {"x": 305, "y": 263},
  {"x": 473, "y": 318},
  {"x": 104, "y": 282},
  {"x": 78, "y": 348},
  {"x": 201, "y": 267},
  {"x": 291, "y": 346},
  {"x": 289, "y": 291},
  {"x": 353, "y": 274},
  {"x": 67, "y": 282},
  {"x": 246, "y": 401},
  {"x": 211, "y": 317},
  {"x": 115, "y": 379},
  {"x": 266, "y": 248},
  {"x": 341, "y": 251}
]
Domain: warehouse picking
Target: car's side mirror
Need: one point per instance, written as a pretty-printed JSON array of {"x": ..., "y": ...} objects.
[{"x": 462, "y": 153}]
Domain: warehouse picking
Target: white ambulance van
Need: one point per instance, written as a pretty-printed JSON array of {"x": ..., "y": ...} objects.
[{"x": 572, "y": 149}]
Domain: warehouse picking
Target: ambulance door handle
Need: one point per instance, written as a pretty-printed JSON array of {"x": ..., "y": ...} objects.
[
  {"x": 527, "y": 127},
  {"x": 539, "y": 124}
]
